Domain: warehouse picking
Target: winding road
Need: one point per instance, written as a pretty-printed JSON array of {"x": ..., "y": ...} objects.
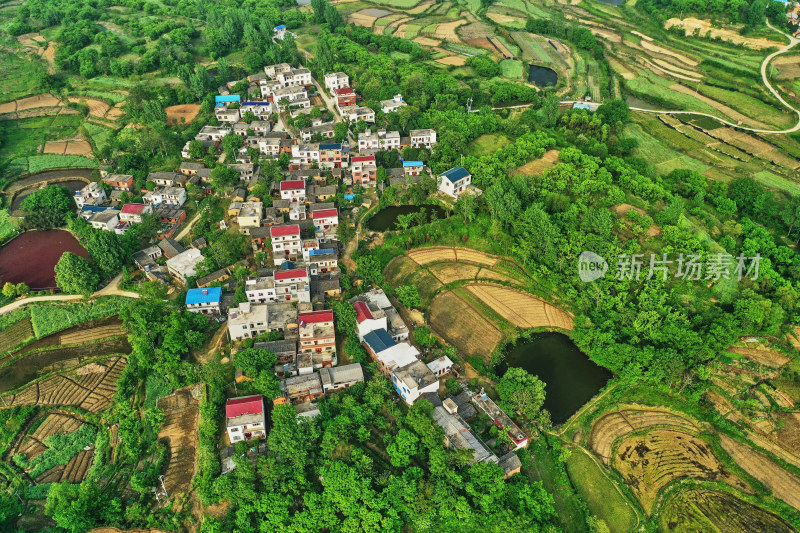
[{"x": 764, "y": 64}]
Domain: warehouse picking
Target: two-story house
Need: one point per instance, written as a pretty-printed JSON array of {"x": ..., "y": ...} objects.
[
  {"x": 293, "y": 190},
  {"x": 345, "y": 97},
  {"x": 245, "y": 418},
  {"x": 336, "y": 80},
  {"x": 364, "y": 171},
  {"x": 455, "y": 181},
  {"x": 326, "y": 222},
  {"x": 317, "y": 337},
  {"x": 133, "y": 213},
  {"x": 286, "y": 242},
  {"x": 91, "y": 194},
  {"x": 420, "y": 138},
  {"x": 205, "y": 301}
]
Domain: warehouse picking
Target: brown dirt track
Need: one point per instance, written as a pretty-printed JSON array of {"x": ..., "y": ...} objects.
[
  {"x": 175, "y": 112},
  {"x": 616, "y": 424},
  {"x": 781, "y": 483},
  {"x": 651, "y": 461},
  {"x": 92, "y": 392},
  {"x": 537, "y": 166},
  {"x": 182, "y": 416},
  {"x": 464, "y": 327},
  {"x": 521, "y": 309}
]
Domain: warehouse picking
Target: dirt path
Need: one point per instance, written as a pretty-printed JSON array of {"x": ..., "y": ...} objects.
[
  {"x": 764, "y": 64},
  {"x": 185, "y": 231},
  {"x": 112, "y": 289}
]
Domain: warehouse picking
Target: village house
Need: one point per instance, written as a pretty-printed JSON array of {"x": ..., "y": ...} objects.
[
  {"x": 345, "y": 97},
  {"x": 260, "y": 127},
  {"x": 338, "y": 378},
  {"x": 336, "y": 80},
  {"x": 500, "y": 418},
  {"x": 189, "y": 168},
  {"x": 289, "y": 97},
  {"x": 171, "y": 196},
  {"x": 324, "y": 130},
  {"x": 167, "y": 179},
  {"x": 245, "y": 418},
  {"x": 455, "y": 181},
  {"x": 246, "y": 170},
  {"x": 261, "y": 110},
  {"x": 170, "y": 215},
  {"x": 326, "y": 222},
  {"x": 119, "y": 182},
  {"x": 133, "y": 213},
  {"x": 302, "y": 388},
  {"x": 364, "y": 170},
  {"x": 356, "y": 113},
  {"x": 317, "y": 337},
  {"x": 215, "y": 277},
  {"x": 441, "y": 366},
  {"x": 146, "y": 257},
  {"x": 227, "y": 116},
  {"x": 250, "y": 214},
  {"x": 294, "y": 77},
  {"x": 305, "y": 154},
  {"x": 297, "y": 211},
  {"x": 387, "y": 353},
  {"x": 458, "y": 435},
  {"x": 377, "y": 299},
  {"x": 326, "y": 286},
  {"x": 422, "y": 138},
  {"x": 390, "y": 106},
  {"x": 370, "y": 141},
  {"x": 205, "y": 300},
  {"x": 332, "y": 155},
  {"x": 270, "y": 146},
  {"x": 413, "y": 168},
  {"x": 413, "y": 380},
  {"x": 91, "y": 194},
  {"x": 88, "y": 211},
  {"x": 322, "y": 261},
  {"x": 286, "y": 353},
  {"x": 251, "y": 320},
  {"x": 212, "y": 133},
  {"x": 279, "y": 32},
  {"x": 369, "y": 317},
  {"x": 283, "y": 285},
  {"x": 293, "y": 190},
  {"x": 321, "y": 193},
  {"x": 106, "y": 220},
  {"x": 171, "y": 248},
  {"x": 184, "y": 265}
]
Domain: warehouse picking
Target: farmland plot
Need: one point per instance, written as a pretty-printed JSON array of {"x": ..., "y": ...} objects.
[
  {"x": 181, "y": 419},
  {"x": 463, "y": 326},
  {"x": 519, "y": 308},
  {"x": 92, "y": 391}
]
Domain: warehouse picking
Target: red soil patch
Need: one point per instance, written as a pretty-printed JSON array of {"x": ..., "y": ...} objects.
[
  {"x": 186, "y": 111},
  {"x": 32, "y": 257}
]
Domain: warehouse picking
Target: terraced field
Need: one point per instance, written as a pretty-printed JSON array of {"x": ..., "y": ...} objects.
[{"x": 181, "y": 419}]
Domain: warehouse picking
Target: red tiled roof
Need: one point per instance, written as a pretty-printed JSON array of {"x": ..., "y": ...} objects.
[
  {"x": 247, "y": 405},
  {"x": 292, "y": 184},
  {"x": 361, "y": 158},
  {"x": 344, "y": 91},
  {"x": 289, "y": 274},
  {"x": 315, "y": 317},
  {"x": 283, "y": 231},
  {"x": 362, "y": 312},
  {"x": 325, "y": 213},
  {"x": 133, "y": 208}
]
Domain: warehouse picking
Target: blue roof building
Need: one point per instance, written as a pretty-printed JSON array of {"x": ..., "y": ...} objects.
[
  {"x": 330, "y": 146},
  {"x": 222, "y": 98},
  {"x": 205, "y": 301},
  {"x": 281, "y": 27},
  {"x": 378, "y": 341},
  {"x": 412, "y": 163},
  {"x": 581, "y": 106},
  {"x": 322, "y": 251},
  {"x": 455, "y": 174}
]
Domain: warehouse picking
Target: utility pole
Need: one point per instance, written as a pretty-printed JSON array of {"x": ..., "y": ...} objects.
[{"x": 357, "y": 234}]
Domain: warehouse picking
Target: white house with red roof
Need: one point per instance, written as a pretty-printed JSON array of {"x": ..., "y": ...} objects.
[
  {"x": 364, "y": 170},
  {"x": 245, "y": 418},
  {"x": 293, "y": 190},
  {"x": 345, "y": 96},
  {"x": 325, "y": 221},
  {"x": 133, "y": 213},
  {"x": 286, "y": 243},
  {"x": 293, "y": 285},
  {"x": 317, "y": 337},
  {"x": 369, "y": 318}
]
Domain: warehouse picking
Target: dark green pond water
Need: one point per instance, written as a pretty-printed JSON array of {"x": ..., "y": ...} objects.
[
  {"x": 572, "y": 378},
  {"x": 542, "y": 76},
  {"x": 386, "y": 218}
]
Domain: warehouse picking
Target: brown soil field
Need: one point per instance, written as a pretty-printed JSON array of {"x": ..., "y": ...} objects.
[
  {"x": 182, "y": 416},
  {"x": 788, "y": 67},
  {"x": 424, "y": 256},
  {"x": 700, "y": 509},
  {"x": 616, "y": 424},
  {"x": 521, "y": 309},
  {"x": 458, "y": 61},
  {"x": 650, "y": 47},
  {"x": 92, "y": 334},
  {"x": 641, "y": 35},
  {"x": 79, "y": 148},
  {"x": 755, "y": 146},
  {"x": 781, "y": 483},
  {"x": 659, "y": 65},
  {"x": 475, "y": 30},
  {"x": 620, "y": 69},
  {"x": 773, "y": 444},
  {"x": 502, "y": 18},
  {"x": 31, "y": 40},
  {"x": 97, "y": 108},
  {"x": 690, "y": 24},
  {"x": 360, "y": 19},
  {"x": 462, "y": 326},
  {"x": 651, "y": 461},
  {"x": 53, "y": 424},
  {"x": 537, "y": 166},
  {"x": 31, "y": 102},
  {"x": 762, "y": 355},
  {"x": 448, "y": 272},
  {"x": 92, "y": 392},
  {"x": 397, "y": 271},
  {"x": 117, "y": 112},
  {"x": 427, "y": 41},
  {"x": 447, "y": 31},
  {"x": 175, "y": 112},
  {"x": 54, "y": 147},
  {"x": 482, "y": 42}
]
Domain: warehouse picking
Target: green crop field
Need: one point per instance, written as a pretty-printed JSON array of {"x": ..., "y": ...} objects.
[
  {"x": 774, "y": 181},
  {"x": 601, "y": 496},
  {"x": 655, "y": 152},
  {"x": 511, "y": 69}
]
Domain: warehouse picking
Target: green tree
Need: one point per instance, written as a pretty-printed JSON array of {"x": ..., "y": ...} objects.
[
  {"x": 48, "y": 207},
  {"x": 340, "y": 130},
  {"x": 9, "y": 290},
  {"x": 423, "y": 336},
  {"x": 402, "y": 448},
  {"x": 409, "y": 295},
  {"x": 521, "y": 392},
  {"x": 197, "y": 150},
  {"x": 76, "y": 275}
]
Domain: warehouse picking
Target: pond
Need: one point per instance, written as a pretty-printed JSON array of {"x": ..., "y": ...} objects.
[
  {"x": 542, "y": 76},
  {"x": 31, "y": 257},
  {"x": 572, "y": 378},
  {"x": 386, "y": 218},
  {"x": 612, "y": 2},
  {"x": 70, "y": 185}
]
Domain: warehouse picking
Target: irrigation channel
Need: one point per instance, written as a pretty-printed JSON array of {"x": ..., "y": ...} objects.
[{"x": 572, "y": 379}]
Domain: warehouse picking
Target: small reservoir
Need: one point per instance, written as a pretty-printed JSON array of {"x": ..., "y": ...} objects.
[
  {"x": 542, "y": 76},
  {"x": 386, "y": 218},
  {"x": 572, "y": 378}
]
